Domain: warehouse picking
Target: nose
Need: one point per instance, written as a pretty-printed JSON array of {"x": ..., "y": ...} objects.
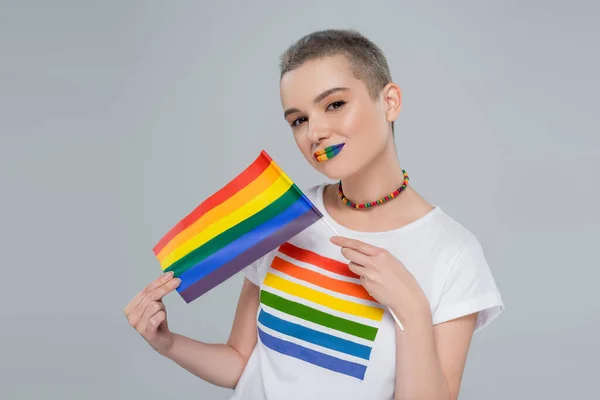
[{"x": 318, "y": 132}]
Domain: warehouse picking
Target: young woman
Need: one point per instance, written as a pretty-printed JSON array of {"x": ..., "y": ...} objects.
[{"x": 385, "y": 310}]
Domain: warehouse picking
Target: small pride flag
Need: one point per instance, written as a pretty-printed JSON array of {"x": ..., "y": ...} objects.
[{"x": 253, "y": 214}]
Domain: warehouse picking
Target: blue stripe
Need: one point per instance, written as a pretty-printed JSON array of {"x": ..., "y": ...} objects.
[
  {"x": 313, "y": 336},
  {"x": 242, "y": 244},
  {"x": 312, "y": 356}
]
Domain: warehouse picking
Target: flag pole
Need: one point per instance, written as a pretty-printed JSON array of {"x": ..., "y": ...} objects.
[{"x": 337, "y": 234}]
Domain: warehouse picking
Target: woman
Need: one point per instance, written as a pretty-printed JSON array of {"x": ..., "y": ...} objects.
[{"x": 316, "y": 317}]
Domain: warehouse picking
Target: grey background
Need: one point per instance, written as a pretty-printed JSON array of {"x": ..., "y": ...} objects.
[{"x": 118, "y": 117}]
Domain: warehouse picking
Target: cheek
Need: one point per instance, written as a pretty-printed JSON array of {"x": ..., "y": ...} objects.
[
  {"x": 364, "y": 130},
  {"x": 303, "y": 145},
  {"x": 351, "y": 121},
  {"x": 358, "y": 122}
]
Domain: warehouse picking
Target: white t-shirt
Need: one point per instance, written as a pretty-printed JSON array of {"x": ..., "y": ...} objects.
[{"x": 319, "y": 334}]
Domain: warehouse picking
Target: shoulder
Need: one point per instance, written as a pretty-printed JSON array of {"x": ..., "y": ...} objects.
[
  {"x": 438, "y": 233},
  {"x": 313, "y": 192},
  {"x": 449, "y": 229},
  {"x": 467, "y": 284},
  {"x": 465, "y": 258}
]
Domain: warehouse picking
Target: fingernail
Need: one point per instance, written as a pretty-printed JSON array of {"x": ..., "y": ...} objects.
[
  {"x": 169, "y": 274},
  {"x": 175, "y": 281}
]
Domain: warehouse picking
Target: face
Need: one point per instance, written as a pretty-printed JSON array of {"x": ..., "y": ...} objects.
[{"x": 337, "y": 126}]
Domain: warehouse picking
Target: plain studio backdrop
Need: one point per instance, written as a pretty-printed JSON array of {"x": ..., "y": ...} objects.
[{"x": 119, "y": 117}]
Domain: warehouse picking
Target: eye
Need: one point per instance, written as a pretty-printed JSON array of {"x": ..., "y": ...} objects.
[
  {"x": 296, "y": 120},
  {"x": 337, "y": 104},
  {"x": 332, "y": 107}
]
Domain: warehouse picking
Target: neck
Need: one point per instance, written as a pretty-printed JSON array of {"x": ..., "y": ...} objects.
[{"x": 377, "y": 180}]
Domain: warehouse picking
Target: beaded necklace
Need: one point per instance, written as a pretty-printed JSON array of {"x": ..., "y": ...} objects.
[{"x": 376, "y": 202}]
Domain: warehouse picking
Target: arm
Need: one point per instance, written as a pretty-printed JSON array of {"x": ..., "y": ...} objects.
[
  {"x": 430, "y": 359},
  {"x": 219, "y": 364}
]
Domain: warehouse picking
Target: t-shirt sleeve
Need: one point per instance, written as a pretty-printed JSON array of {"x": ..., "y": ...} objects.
[
  {"x": 469, "y": 288},
  {"x": 256, "y": 271},
  {"x": 251, "y": 272}
]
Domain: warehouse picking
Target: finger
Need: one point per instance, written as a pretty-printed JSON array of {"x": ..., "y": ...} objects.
[
  {"x": 151, "y": 310},
  {"x": 161, "y": 280},
  {"x": 155, "y": 295},
  {"x": 160, "y": 292},
  {"x": 360, "y": 272},
  {"x": 354, "y": 244},
  {"x": 365, "y": 283},
  {"x": 357, "y": 257},
  {"x": 365, "y": 273},
  {"x": 156, "y": 320},
  {"x": 357, "y": 269}
]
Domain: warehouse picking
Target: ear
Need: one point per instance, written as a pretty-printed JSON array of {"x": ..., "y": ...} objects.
[{"x": 392, "y": 96}]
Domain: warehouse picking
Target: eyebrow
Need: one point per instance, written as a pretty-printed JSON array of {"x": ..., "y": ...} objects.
[{"x": 317, "y": 99}]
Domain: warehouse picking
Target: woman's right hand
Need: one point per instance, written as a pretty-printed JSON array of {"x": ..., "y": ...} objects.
[{"x": 148, "y": 315}]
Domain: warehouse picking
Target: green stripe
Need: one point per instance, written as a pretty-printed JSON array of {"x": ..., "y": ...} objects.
[
  {"x": 316, "y": 316},
  {"x": 233, "y": 233}
]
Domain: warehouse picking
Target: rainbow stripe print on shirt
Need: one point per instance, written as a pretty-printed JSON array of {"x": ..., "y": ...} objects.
[{"x": 314, "y": 308}]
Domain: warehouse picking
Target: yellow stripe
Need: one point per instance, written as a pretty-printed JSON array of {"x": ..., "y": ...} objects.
[
  {"x": 253, "y": 189},
  {"x": 323, "y": 299},
  {"x": 276, "y": 190},
  {"x": 283, "y": 174}
]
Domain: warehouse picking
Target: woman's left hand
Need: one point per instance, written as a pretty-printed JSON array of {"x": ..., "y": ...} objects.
[{"x": 385, "y": 278}]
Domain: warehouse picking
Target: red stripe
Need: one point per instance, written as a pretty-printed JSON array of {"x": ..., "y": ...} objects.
[
  {"x": 320, "y": 261},
  {"x": 253, "y": 171}
]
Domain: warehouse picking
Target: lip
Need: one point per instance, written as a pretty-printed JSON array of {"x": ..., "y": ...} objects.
[{"x": 328, "y": 152}]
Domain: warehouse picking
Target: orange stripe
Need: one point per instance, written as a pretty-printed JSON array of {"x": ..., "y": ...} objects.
[
  {"x": 254, "y": 188},
  {"x": 348, "y": 288},
  {"x": 313, "y": 258}
]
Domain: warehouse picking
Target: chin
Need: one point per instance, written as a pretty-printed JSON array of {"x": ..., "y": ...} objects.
[{"x": 336, "y": 168}]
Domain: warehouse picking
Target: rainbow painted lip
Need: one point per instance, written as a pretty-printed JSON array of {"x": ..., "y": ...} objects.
[{"x": 328, "y": 152}]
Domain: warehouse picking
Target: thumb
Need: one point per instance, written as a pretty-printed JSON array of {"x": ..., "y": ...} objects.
[{"x": 158, "y": 321}]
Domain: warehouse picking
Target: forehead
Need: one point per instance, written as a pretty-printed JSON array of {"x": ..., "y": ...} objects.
[{"x": 300, "y": 86}]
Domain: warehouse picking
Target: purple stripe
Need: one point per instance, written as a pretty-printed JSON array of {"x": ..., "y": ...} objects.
[{"x": 231, "y": 268}]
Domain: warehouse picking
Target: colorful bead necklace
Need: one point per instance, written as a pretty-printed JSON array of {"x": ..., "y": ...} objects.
[{"x": 390, "y": 196}]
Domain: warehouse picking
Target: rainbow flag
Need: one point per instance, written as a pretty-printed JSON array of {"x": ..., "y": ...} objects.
[{"x": 253, "y": 214}]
